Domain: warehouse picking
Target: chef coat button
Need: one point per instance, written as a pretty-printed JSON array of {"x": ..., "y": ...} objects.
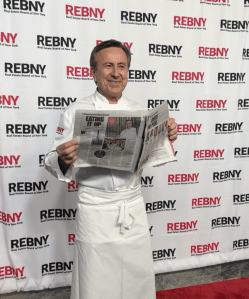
[{"x": 117, "y": 189}]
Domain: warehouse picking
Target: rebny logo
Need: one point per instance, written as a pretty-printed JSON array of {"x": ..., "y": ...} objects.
[
  {"x": 234, "y": 25},
  {"x": 231, "y": 78},
  {"x": 72, "y": 186},
  {"x": 79, "y": 73},
  {"x": 24, "y": 7},
  {"x": 26, "y": 130},
  {"x": 205, "y": 202},
  {"x": 57, "y": 214},
  {"x": 138, "y": 18},
  {"x": 28, "y": 188},
  {"x": 160, "y": 206},
  {"x": 85, "y": 13},
  {"x": 213, "y": 53},
  {"x": 216, "y": 2},
  {"x": 183, "y": 178},
  {"x": 182, "y": 227},
  {"x": 243, "y": 104},
  {"x": 10, "y": 219},
  {"x": 56, "y": 43},
  {"x": 229, "y": 175},
  {"x": 174, "y": 105},
  {"x": 240, "y": 199},
  {"x": 203, "y": 249},
  {"x": 9, "y": 101},
  {"x": 188, "y": 77},
  {"x": 189, "y": 23},
  {"x": 55, "y": 103},
  {"x": 11, "y": 161},
  {"x": 8, "y": 39},
  {"x": 164, "y": 254},
  {"x": 24, "y": 70},
  {"x": 29, "y": 243},
  {"x": 7, "y": 272},
  {"x": 225, "y": 222},
  {"x": 71, "y": 239},
  {"x": 56, "y": 268},
  {"x": 189, "y": 129},
  {"x": 41, "y": 160},
  {"x": 241, "y": 152},
  {"x": 208, "y": 154},
  {"x": 158, "y": 50},
  {"x": 211, "y": 105},
  {"x": 145, "y": 76},
  {"x": 147, "y": 181},
  {"x": 241, "y": 244},
  {"x": 228, "y": 128},
  {"x": 245, "y": 54}
]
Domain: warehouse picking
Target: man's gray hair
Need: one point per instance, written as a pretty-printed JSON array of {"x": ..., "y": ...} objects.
[{"x": 108, "y": 44}]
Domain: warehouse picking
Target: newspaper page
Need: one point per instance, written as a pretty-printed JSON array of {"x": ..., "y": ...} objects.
[
  {"x": 109, "y": 139},
  {"x": 157, "y": 149}
]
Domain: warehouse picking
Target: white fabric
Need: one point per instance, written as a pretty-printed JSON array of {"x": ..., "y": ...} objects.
[
  {"x": 101, "y": 178},
  {"x": 112, "y": 253},
  {"x": 108, "y": 264},
  {"x": 129, "y": 133}
]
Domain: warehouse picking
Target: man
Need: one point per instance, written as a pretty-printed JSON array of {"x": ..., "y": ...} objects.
[
  {"x": 129, "y": 132},
  {"x": 112, "y": 251}
]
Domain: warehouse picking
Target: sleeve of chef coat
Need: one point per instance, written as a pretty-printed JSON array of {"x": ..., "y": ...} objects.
[{"x": 63, "y": 134}]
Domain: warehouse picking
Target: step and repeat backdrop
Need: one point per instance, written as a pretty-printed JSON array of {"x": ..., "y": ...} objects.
[{"x": 192, "y": 54}]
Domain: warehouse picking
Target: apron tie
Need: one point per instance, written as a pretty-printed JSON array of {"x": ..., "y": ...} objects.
[{"x": 125, "y": 219}]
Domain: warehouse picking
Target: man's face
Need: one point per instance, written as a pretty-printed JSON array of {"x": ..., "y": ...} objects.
[
  {"x": 128, "y": 124},
  {"x": 111, "y": 72}
]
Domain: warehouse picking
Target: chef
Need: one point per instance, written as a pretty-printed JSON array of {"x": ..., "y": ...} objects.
[
  {"x": 129, "y": 132},
  {"x": 112, "y": 251}
]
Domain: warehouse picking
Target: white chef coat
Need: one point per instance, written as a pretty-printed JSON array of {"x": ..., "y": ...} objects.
[
  {"x": 100, "y": 178},
  {"x": 112, "y": 251},
  {"x": 129, "y": 133}
]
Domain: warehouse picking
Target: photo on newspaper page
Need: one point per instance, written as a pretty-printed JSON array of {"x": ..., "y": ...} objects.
[
  {"x": 157, "y": 149},
  {"x": 109, "y": 139}
]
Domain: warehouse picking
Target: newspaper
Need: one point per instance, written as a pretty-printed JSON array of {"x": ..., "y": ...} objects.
[{"x": 122, "y": 139}]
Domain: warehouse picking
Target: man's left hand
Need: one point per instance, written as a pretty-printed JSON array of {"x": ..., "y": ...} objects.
[{"x": 172, "y": 126}]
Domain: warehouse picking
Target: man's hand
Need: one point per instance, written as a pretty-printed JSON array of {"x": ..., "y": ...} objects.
[
  {"x": 172, "y": 129},
  {"x": 67, "y": 151}
]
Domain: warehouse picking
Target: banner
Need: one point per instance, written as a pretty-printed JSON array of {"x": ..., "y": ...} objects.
[{"x": 193, "y": 55}]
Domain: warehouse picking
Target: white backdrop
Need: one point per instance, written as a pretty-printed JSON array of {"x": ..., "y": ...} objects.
[{"x": 193, "y": 54}]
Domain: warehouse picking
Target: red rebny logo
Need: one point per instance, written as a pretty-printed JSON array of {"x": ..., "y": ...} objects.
[
  {"x": 9, "y": 160},
  {"x": 10, "y": 218},
  {"x": 8, "y": 100},
  {"x": 204, "y": 248},
  {"x": 8, "y": 38},
  {"x": 83, "y": 11},
  {"x": 6, "y": 271},
  {"x": 177, "y": 226}
]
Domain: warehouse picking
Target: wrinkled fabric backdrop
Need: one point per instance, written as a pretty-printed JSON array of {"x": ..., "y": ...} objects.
[{"x": 193, "y": 54}]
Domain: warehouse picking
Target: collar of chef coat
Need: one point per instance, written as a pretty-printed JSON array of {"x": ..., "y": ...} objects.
[{"x": 101, "y": 103}]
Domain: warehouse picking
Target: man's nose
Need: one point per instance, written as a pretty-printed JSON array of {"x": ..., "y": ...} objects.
[{"x": 115, "y": 72}]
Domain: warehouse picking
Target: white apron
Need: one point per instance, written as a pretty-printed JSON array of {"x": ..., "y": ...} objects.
[{"x": 112, "y": 251}]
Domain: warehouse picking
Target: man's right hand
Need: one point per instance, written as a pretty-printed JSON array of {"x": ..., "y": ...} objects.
[{"x": 67, "y": 151}]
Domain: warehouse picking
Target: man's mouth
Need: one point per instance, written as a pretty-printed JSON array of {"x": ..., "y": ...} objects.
[{"x": 114, "y": 81}]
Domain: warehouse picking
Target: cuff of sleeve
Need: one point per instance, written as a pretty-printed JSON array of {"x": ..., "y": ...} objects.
[{"x": 52, "y": 165}]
